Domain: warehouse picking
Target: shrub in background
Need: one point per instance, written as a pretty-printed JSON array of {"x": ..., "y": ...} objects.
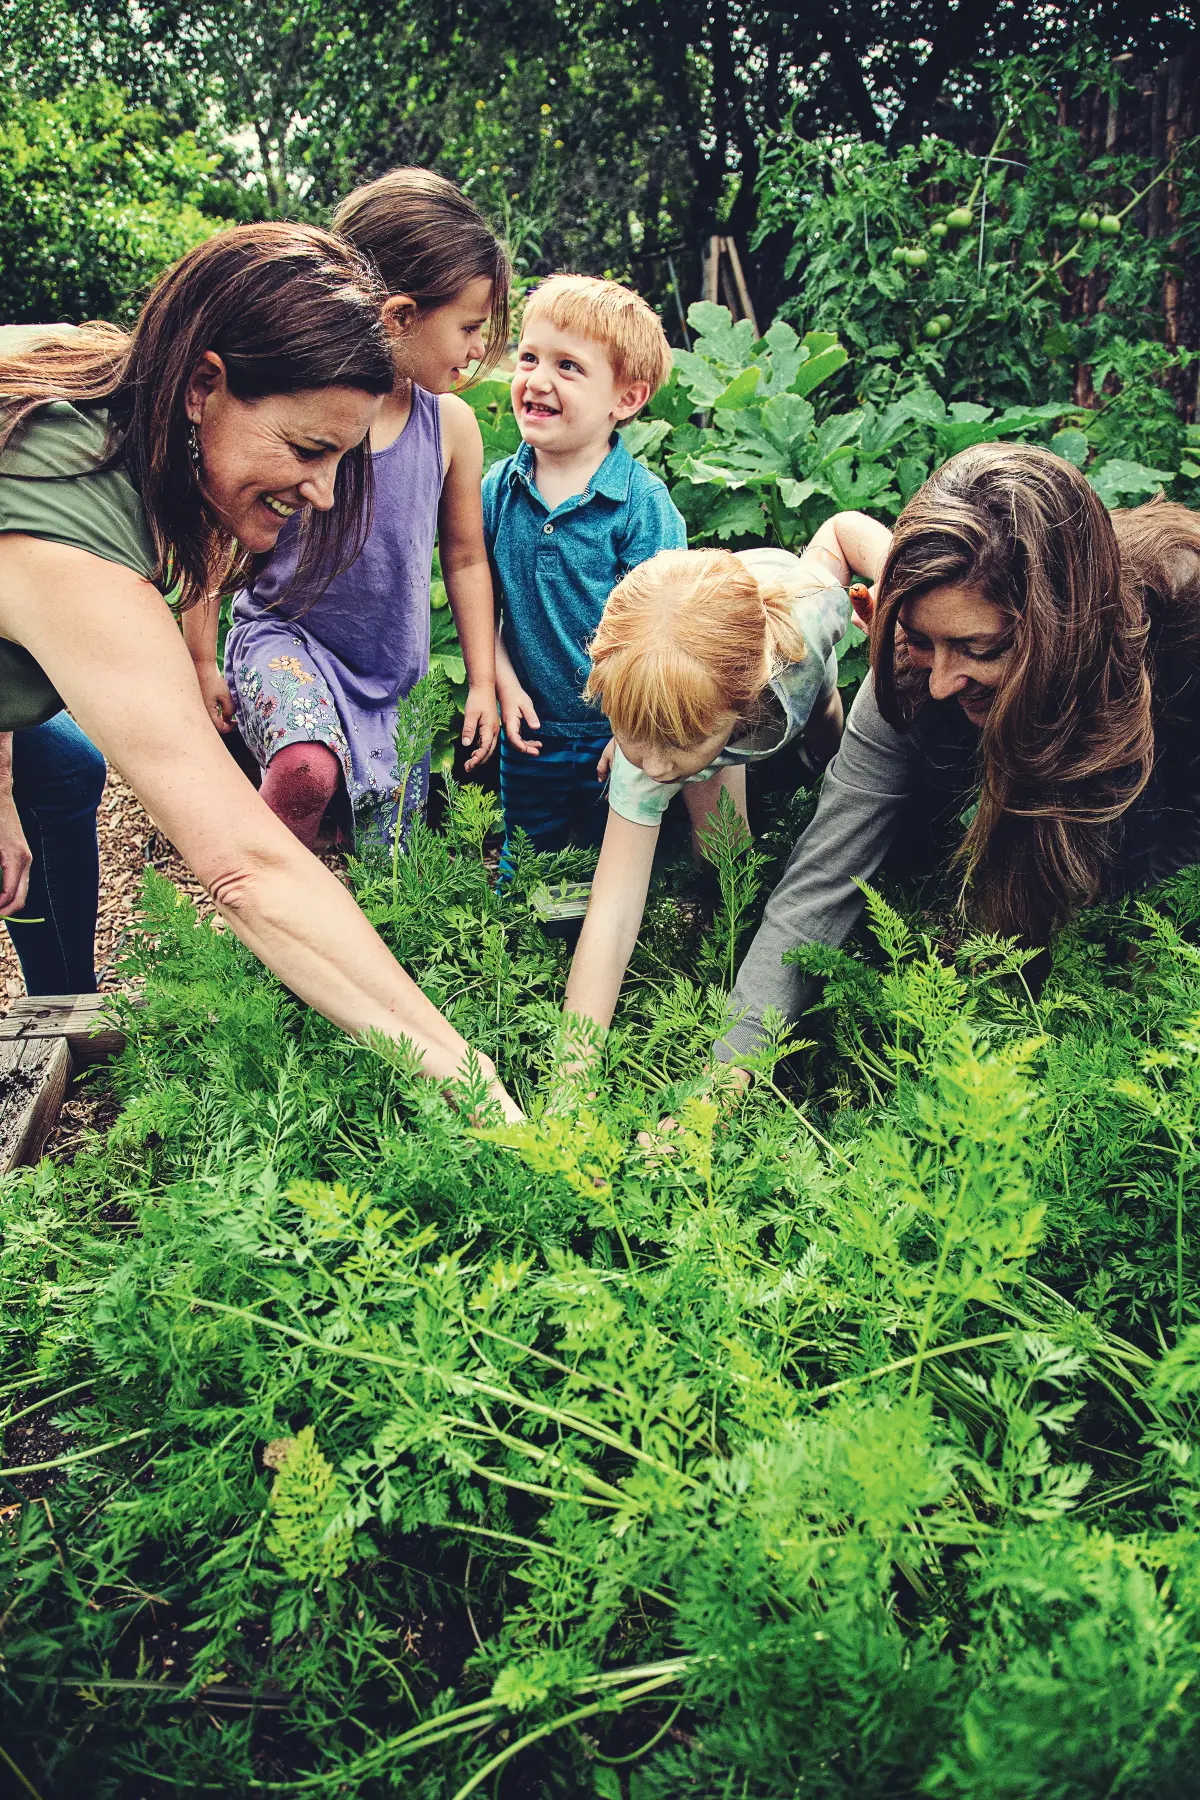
[{"x": 96, "y": 197}]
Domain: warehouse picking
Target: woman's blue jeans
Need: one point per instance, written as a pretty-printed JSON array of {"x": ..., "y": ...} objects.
[{"x": 58, "y": 780}]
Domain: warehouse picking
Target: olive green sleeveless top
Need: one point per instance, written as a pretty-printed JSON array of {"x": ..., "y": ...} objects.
[{"x": 100, "y": 513}]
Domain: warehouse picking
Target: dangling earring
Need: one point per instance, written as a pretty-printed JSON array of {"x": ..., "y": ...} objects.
[{"x": 194, "y": 446}]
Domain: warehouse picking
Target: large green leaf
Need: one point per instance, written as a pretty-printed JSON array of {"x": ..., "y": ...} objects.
[
  {"x": 788, "y": 423},
  {"x": 705, "y": 470},
  {"x": 704, "y": 381},
  {"x": 926, "y": 407},
  {"x": 1118, "y": 480},
  {"x": 911, "y": 473},
  {"x": 718, "y": 339},
  {"x": 741, "y": 391},
  {"x": 836, "y": 432},
  {"x": 673, "y": 402},
  {"x": 881, "y": 430},
  {"x": 488, "y": 397},
  {"x": 782, "y": 354},
  {"x": 819, "y": 368},
  {"x": 1071, "y": 444},
  {"x": 643, "y": 436},
  {"x": 859, "y": 484},
  {"x": 954, "y": 435},
  {"x": 738, "y": 515},
  {"x": 714, "y": 511},
  {"x": 795, "y": 493},
  {"x": 1031, "y": 418}
]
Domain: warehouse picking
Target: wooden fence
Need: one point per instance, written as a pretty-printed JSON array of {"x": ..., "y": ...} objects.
[{"x": 1159, "y": 115}]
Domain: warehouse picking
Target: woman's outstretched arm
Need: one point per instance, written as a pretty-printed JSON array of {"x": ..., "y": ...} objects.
[
  {"x": 817, "y": 901},
  {"x": 109, "y": 644}
]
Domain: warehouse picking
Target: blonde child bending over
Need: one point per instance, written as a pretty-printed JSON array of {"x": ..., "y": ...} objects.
[{"x": 705, "y": 660}]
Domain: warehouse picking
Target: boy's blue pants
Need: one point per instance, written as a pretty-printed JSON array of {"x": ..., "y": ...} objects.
[{"x": 555, "y": 797}]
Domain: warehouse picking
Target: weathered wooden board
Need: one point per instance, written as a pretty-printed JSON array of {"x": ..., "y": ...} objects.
[
  {"x": 34, "y": 1077},
  {"x": 82, "y": 1019}
]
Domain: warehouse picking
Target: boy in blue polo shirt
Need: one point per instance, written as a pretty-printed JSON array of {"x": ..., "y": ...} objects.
[{"x": 565, "y": 519}]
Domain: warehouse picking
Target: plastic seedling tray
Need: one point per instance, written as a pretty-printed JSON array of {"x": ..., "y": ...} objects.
[{"x": 559, "y": 906}]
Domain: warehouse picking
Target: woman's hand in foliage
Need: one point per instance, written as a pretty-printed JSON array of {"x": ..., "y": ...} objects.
[
  {"x": 727, "y": 1084},
  {"x": 578, "y": 1062},
  {"x": 500, "y": 1094},
  {"x": 661, "y": 1144},
  {"x": 470, "y": 1099},
  {"x": 481, "y": 724},
  {"x": 730, "y": 1081}
]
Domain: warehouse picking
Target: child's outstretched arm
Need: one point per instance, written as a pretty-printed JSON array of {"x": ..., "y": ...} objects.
[
  {"x": 466, "y": 573},
  {"x": 850, "y": 543},
  {"x": 199, "y": 625},
  {"x": 614, "y": 917}
]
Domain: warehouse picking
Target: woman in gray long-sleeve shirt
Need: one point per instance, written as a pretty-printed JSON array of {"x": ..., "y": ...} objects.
[{"x": 1033, "y": 659}]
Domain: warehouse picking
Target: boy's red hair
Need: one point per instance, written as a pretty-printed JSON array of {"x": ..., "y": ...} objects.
[{"x": 628, "y": 330}]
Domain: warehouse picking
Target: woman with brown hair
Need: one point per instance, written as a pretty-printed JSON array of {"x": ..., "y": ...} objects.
[
  {"x": 167, "y": 461},
  {"x": 1032, "y": 716}
]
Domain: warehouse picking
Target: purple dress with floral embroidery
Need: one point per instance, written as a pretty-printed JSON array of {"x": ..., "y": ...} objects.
[{"x": 333, "y": 674}]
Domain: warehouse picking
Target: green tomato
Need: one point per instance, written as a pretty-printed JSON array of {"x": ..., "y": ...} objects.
[
  {"x": 1088, "y": 219},
  {"x": 1110, "y": 225},
  {"x": 938, "y": 229},
  {"x": 899, "y": 254},
  {"x": 916, "y": 259},
  {"x": 932, "y": 331},
  {"x": 959, "y": 219},
  {"x": 945, "y": 321}
]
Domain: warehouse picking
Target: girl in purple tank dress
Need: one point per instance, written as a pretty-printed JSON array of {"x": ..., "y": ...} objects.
[{"x": 313, "y": 686}]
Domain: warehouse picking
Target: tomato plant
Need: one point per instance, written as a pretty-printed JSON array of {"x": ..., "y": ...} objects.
[{"x": 1039, "y": 237}]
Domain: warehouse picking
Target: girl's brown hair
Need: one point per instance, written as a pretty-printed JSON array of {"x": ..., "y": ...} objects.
[
  {"x": 428, "y": 241},
  {"x": 286, "y": 308},
  {"x": 686, "y": 639},
  {"x": 1068, "y": 743}
]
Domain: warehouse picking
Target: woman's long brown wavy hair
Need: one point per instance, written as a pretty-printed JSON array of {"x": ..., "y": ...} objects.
[
  {"x": 1068, "y": 744},
  {"x": 286, "y": 308}
]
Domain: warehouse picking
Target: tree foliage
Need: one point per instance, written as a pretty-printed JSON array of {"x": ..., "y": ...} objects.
[
  {"x": 96, "y": 196},
  {"x": 661, "y": 106}
]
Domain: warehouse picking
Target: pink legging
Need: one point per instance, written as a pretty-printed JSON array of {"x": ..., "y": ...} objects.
[{"x": 298, "y": 784}]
